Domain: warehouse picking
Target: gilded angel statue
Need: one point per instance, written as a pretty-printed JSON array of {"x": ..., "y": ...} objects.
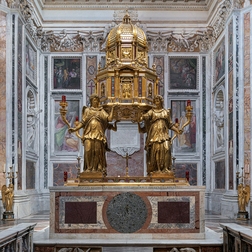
[
  {"x": 243, "y": 197},
  {"x": 7, "y": 197}
]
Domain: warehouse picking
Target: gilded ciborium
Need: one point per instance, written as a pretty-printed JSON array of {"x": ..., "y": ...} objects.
[{"x": 126, "y": 89}]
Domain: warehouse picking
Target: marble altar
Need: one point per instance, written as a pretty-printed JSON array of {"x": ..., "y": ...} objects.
[{"x": 127, "y": 211}]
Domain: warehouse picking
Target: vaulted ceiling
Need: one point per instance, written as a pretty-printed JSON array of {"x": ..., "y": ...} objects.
[{"x": 153, "y": 13}]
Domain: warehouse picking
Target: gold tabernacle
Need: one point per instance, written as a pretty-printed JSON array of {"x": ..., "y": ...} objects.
[{"x": 126, "y": 90}]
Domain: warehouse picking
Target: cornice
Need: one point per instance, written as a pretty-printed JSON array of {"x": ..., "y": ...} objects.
[
  {"x": 199, "y": 5},
  {"x": 188, "y": 40}
]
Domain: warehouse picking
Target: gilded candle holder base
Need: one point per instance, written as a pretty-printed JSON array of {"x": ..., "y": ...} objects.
[
  {"x": 242, "y": 215},
  {"x": 8, "y": 216}
]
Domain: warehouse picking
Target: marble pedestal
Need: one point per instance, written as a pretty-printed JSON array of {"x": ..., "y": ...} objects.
[{"x": 127, "y": 211}]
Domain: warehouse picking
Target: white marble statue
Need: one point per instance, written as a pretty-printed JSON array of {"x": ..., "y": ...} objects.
[{"x": 219, "y": 124}]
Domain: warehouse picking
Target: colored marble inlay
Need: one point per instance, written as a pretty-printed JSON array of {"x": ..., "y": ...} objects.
[
  {"x": 219, "y": 59},
  {"x": 159, "y": 61},
  {"x": 116, "y": 164},
  {"x": 247, "y": 95},
  {"x": 91, "y": 71},
  {"x": 125, "y": 212},
  {"x": 190, "y": 169},
  {"x": 80, "y": 212},
  {"x": 140, "y": 86},
  {"x": 2, "y": 92},
  {"x": 173, "y": 212},
  {"x": 20, "y": 112},
  {"x": 230, "y": 46},
  {"x": 60, "y": 168},
  {"x": 220, "y": 174},
  {"x": 30, "y": 175},
  {"x": 113, "y": 86}
]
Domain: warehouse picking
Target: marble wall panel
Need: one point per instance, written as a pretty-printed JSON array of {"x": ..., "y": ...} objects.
[
  {"x": 220, "y": 174},
  {"x": 60, "y": 168},
  {"x": 168, "y": 212},
  {"x": 2, "y": 93},
  {"x": 247, "y": 93},
  {"x": 159, "y": 62},
  {"x": 80, "y": 212},
  {"x": 91, "y": 71},
  {"x": 230, "y": 106},
  {"x": 116, "y": 164},
  {"x": 21, "y": 119},
  {"x": 190, "y": 169},
  {"x": 219, "y": 61},
  {"x": 30, "y": 175}
]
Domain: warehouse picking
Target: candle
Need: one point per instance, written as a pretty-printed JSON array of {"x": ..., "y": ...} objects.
[
  {"x": 63, "y": 98},
  {"x": 77, "y": 119},
  {"x": 187, "y": 176},
  {"x": 188, "y": 103},
  {"x": 65, "y": 176},
  {"x": 176, "y": 120},
  {"x": 4, "y": 168}
]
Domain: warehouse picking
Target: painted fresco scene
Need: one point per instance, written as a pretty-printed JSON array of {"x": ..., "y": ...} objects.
[
  {"x": 64, "y": 142},
  {"x": 185, "y": 142},
  {"x": 66, "y": 73},
  {"x": 183, "y": 73}
]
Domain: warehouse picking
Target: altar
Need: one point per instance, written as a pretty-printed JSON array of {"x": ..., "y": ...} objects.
[
  {"x": 155, "y": 206},
  {"x": 127, "y": 210}
]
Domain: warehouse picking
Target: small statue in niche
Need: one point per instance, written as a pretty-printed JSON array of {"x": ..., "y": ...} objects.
[
  {"x": 219, "y": 122},
  {"x": 32, "y": 118},
  {"x": 150, "y": 90},
  {"x": 102, "y": 90},
  {"x": 126, "y": 90}
]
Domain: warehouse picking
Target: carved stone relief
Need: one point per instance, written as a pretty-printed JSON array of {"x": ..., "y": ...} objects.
[
  {"x": 188, "y": 41},
  {"x": 126, "y": 140},
  {"x": 219, "y": 119},
  {"x": 32, "y": 119}
]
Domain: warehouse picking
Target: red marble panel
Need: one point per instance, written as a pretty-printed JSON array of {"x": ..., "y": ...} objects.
[
  {"x": 173, "y": 212},
  {"x": 80, "y": 212}
]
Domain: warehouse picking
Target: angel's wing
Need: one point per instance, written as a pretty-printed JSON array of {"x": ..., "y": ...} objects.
[
  {"x": 247, "y": 188},
  {"x": 240, "y": 186},
  {"x": 83, "y": 110},
  {"x": 4, "y": 188}
]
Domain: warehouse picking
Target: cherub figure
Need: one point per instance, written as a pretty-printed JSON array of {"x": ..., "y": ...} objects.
[
  {"x": 243, "y": 197},
  {"x": 7, "y": 197}
]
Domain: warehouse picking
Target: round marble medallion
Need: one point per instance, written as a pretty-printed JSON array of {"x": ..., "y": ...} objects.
[{"x": 127, "y": 212}]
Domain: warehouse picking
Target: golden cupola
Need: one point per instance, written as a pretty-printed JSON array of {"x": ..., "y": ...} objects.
[
  {"x": 126, "y": 79},
  {"x": 127, "y": 43}
]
